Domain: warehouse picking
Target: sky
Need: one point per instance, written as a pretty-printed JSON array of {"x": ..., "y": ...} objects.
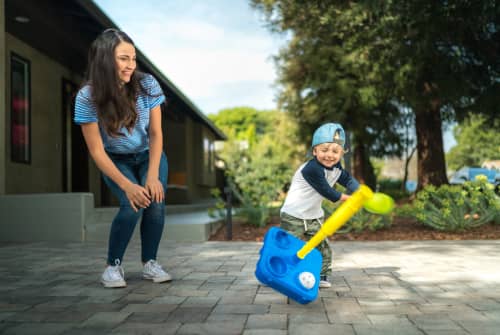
[{"x": 217, "y": 52}]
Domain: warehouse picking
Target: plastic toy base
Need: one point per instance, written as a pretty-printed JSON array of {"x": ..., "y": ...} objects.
[{"x": 281, "y": 269}]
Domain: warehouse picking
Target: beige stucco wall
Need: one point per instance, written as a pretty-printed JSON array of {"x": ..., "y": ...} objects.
[
  {"x": 3, "y": 107},
  {"x": 44, "y": 174}
]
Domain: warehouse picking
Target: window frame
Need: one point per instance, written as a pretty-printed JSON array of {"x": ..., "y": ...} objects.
[{"x": 25, "y": 156}]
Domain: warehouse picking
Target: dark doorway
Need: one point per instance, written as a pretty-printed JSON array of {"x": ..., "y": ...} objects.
[{"x": 75, "y": 156}]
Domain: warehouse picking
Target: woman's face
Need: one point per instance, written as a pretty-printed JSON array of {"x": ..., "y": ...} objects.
[
  {"x": 125, "y": 61},
  {"x": 328, "y": 154}
]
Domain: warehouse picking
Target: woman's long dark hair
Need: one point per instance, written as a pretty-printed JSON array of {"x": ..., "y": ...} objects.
[{"x": 115, "y": 103}]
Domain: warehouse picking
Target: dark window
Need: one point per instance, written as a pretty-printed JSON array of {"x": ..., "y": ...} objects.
[{"x": 20, "y": 110}]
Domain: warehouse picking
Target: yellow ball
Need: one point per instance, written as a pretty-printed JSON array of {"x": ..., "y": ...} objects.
[{"x": 380, "y": 203}]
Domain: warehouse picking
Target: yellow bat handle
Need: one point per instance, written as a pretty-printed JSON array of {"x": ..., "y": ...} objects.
[{"x": 338, "y": 218}]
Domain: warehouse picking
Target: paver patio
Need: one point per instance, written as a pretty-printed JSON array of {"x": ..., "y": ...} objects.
[{"x": 409, "y": 287}]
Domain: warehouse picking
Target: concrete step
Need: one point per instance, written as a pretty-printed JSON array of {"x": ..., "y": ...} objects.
[{"x": 181, "y": 225}]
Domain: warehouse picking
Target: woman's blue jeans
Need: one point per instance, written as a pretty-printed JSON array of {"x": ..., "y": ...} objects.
[{"x": 135, "y": 168}]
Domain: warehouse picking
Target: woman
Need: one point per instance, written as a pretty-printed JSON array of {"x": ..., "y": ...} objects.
[{"x": 119, "y": 111}]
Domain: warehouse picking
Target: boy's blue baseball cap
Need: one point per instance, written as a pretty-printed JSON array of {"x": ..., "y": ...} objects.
[{"x": 329, "y": 133}]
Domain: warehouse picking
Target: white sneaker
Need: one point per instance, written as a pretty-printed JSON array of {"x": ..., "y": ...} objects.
[
  {"x": 113, "y": 276},
  {"x": 324, "y": 282},
  {"x": 153, "y": 271}
]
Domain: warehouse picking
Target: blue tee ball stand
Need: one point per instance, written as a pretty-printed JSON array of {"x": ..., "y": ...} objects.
[{"x": 281, "y": 269}]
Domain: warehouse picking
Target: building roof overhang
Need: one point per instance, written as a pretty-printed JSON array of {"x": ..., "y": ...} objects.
[{"x": 64, "y": 31}]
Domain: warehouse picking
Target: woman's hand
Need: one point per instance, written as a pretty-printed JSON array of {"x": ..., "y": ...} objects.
[
  {"x": 138, "y": 196},
  {"x": 155, "y": 189}
]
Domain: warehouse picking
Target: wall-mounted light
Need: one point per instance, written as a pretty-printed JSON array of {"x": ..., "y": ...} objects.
[{"x": 22, "y": 19}]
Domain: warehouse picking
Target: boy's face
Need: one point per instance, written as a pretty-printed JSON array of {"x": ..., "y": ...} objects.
[{"x": 328, "y": 154}]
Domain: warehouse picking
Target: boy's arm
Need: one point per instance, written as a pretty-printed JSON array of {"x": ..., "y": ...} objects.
[
  {"x": 348, "y": 181},
  {"x": 315, "y": 176}
]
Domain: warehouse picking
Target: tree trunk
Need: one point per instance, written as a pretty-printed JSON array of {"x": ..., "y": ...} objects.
[
  {"x": 362, "y": 167},
  {"x": 407, "y": 165},
  {"x": 430, "y": 153}
]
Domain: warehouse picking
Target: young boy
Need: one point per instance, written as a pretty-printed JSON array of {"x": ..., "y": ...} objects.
[{"x": 302, "y": 214}]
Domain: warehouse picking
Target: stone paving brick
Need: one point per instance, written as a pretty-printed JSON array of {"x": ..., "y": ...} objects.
[
  {"x": 168, "y": 300},
  {"x": 264, "y": 332},
  {"x": 183, "y": 292},
  {"x": 492, "y": 315},
  {"x": 31, "y": 315},
  {"x": 39, "y": 329},
  {"x": 320, "y": 329},
  {"x": 396, "y": 309},
  {"x": 228, "y": 317},
  {"x": 219, "y": 328},
  {"x": 235, "y": 299},
  {"x": 270, "y": 298},
  {"x": 451, "y": 332},
  {"x": 200, "y": 301},
  {"x": 10, "y": 307},
  {"x": 189, "y": 314},
  {"x": 69, "y": 316},
  {"x": 214, "y": 286},
  {"x": 150, "y": 308},
  {"x": 96, "y": 307},
  {"x": 267, "y": 321},
  {"x": 105, "y": 320},
  {"x": 147, "y": 317},
  {"x": 484, "y": 304},
  {"x": 388, "y": 330},
  {"x": 344, "y": 310},
  {"x": 311, "y": 317},
  {"x": 241, "y": 309},
  {"x": 436, "y": 321},
  {"x": 165, "y": 328},
  {"x": 5, "y": 315}
]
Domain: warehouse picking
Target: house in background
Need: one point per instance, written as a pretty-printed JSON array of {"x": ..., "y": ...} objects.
[{"x": 43, "y": 56}]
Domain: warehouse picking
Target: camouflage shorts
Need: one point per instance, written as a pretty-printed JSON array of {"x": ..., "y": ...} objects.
[{"x": 305, "y": 229}]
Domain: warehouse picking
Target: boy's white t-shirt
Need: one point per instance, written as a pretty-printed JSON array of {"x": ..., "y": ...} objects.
[{"x": 303, "y": 201}]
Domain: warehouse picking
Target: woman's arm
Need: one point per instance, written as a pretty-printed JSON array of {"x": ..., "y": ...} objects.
[
  {"x": 137, "y": 195},
  {"x": 153, "y": 183}
]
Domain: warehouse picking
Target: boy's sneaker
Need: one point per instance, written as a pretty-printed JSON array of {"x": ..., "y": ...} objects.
[
  {"x": 324, "y": 282},
  {"x": 153, "y": 271},
  {"x": 113, "y": 276}
]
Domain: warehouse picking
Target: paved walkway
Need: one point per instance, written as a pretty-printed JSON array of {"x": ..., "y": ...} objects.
[{"x": 379, "y": 288}]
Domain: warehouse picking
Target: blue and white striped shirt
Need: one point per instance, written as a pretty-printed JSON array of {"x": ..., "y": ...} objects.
[{"x": 138, "y": 139}]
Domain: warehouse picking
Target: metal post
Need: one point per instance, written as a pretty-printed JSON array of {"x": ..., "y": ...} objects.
[{"x": 229, "y": 219}]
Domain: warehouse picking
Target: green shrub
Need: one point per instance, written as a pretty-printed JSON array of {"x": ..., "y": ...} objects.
[
  {"x": 393, "y": 188},
  {"x": 218, "y": 211},
  {"x": 360, "y": 221},
  {"x": 456, "y": 207},
  {"x": 406, "y": 210}
]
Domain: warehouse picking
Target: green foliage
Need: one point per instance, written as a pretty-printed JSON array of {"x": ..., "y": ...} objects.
[
  {"x": 218, "y": 210},
  {"x": 393, "y": 188},
  {"x": 326, "y": 74},
  {"x": 360, "y": 221},
  {"x": 357, "y": 60},
  {"x": 477, "y": 141},
  {"x": 456, "y": 208},
  {"x": 405, "y": 211},
  {"x": 257, "y": 175},
  {"x": 244, "y": 123}
]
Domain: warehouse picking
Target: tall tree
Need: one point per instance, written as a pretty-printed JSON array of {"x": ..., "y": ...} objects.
[
  {"x": 477, "y": 141},
  {"x": 325, "y": 76},
  {"x": 438, "y": 57},
  {"x": 244, "y": 122}
]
